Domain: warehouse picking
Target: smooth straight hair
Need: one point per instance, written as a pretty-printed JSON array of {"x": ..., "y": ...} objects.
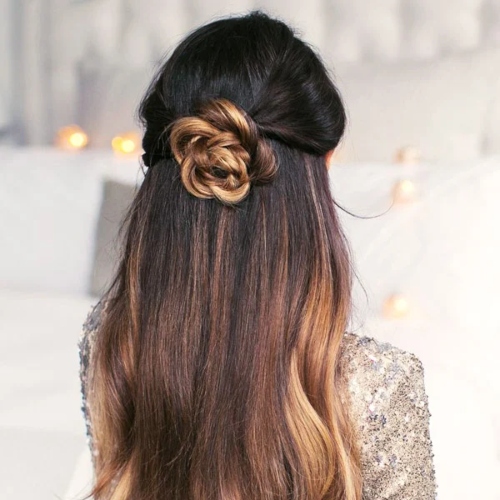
[{"x": 216, "y": 373}]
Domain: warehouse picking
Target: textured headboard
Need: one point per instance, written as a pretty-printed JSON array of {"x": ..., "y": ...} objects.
[
  {"x": 361, "y": 30},
  {"x": 345, "y": 30},
  {"x": 114, "y": 36}
]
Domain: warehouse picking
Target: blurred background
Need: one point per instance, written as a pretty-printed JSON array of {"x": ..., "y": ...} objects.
[{"x": 420, "y": 163}]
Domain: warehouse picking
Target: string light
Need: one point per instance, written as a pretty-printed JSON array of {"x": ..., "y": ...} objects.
[
  {"x": 72, "y": 137},
  {"x": 404, "y": 191},
  {"x": 396, "y": 306},
  {"x": 126, "y": 144},
  {"x": 407, "y": 155}
]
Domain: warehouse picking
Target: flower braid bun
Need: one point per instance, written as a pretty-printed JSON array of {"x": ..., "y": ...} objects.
[{"x": 220, "y": 152}]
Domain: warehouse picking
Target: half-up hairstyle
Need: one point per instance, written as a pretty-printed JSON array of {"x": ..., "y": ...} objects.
[{"x": 215, "y": 374}]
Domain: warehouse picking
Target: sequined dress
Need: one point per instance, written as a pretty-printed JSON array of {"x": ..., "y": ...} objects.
[{"x": 388, "y": 406}]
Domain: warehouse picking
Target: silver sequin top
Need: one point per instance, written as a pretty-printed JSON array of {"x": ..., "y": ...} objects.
[{"x": 388, "y": 406}]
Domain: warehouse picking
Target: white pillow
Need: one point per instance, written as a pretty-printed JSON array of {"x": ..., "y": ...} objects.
[
  {"x": 440, "y": 252},
  {"x": 50, "y": 203},
  {"x": 439, "y": 107}
]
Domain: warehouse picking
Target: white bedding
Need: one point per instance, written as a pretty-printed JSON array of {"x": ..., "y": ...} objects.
[
  {"x": 440, "y": 252},
  {"x": 42, "y": 430}
]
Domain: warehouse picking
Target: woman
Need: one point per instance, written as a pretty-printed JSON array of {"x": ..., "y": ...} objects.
[{"x": 217, "y": 365}]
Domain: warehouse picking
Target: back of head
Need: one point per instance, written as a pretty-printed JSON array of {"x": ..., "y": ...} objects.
[{"x": 216, "y": 372}]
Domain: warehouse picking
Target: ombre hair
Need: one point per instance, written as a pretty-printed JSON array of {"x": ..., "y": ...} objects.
[{"x": 215, "y": 373}]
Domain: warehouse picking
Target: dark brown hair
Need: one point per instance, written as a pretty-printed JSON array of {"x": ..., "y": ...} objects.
[{"x": 216, "y": 369}]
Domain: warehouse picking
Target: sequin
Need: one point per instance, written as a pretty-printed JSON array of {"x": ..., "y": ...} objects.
[
  {"x": 85, "y": 344},
  {"x": 388, "y": 406}
]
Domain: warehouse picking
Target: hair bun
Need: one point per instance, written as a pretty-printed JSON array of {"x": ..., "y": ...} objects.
[{"x": 220, "y": 152}]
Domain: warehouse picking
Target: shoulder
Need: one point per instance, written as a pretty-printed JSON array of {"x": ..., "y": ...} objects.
[
  {"x": 377, "y": 374},
  {"x": 86, "y": 341},
  {"x": 94, "y": 314},
  {"x": 375, "y": 362},
  {"x": 381, "y": 379},
  {"x": 389, "y": 409},
  {"x": 89, "y": 328}
]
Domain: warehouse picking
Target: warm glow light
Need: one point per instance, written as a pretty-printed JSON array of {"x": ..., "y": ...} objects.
[
  {"x": 116, "y": 143},
  {"x": 126, "y": 144},
  {"x": 396, "y": 306},
  {"x": 71, "y": 137},
  {"x": 78, "y": 140},
  {"x": 404, "y": 191},
  {"x": 408, "y": 155}
]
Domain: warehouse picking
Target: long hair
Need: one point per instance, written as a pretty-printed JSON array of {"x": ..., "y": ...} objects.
[{"x": 216, "y": 371}]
